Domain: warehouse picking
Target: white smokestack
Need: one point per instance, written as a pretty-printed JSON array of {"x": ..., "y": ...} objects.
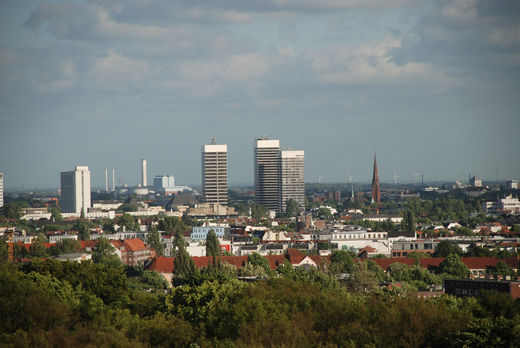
[{"x": 143, "y": 173}]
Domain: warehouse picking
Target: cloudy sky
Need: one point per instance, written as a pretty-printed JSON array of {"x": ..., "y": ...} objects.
[{"x": 431, "y": 86}]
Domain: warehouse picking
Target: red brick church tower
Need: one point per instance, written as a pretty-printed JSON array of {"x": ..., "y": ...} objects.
[{"x": 376, "y": 188}]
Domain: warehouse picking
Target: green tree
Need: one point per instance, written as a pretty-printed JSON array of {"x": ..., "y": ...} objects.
[
  {"x": 325, "y": 212},
  {"x": 504, "y": 269},
  {"x": 478, "y": 251},
  {"x": 341, "y": 261},
  {"x": 258, "y": 260},
  {"x": 212, "y": 244},
  {"x": 65, "y": 246},
  {"x": 13, "y": 210},
  {"x": 56, "y": 215},
  {"x": 153, "y": 280},
  {"x": 37, "y": 249},
  {"x": 445, "y": 248},
  {"x": 292, "y": 208},
  {"x": 184, "y": 267},
  {"x": 128, "y": 207},
  {"x": 104, "y": 253},
  {"x": 258, "y": 211},
  {"x": 362, "y": 279},
  {"x": 453, "y": 267},
  {"x": 154, "y": 240},
  {"x": 241, "y": 209},
  {"x": 128, "y": 222},
  {"x": 108, "y": 226},
  {"x": 250, "y": 270},
  {"x": 408, "y": 223}
]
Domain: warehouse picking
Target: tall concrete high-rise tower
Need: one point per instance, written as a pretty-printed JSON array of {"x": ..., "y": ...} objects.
[
  {"x": 292, "y": 184},
  {"x": 144, "y": 178},
  {"x": 267, "y": 173},
  {"x": 376, "y": 188},
  {"x": 75, "y": 190},
  {"x": 214, "y": 173}
]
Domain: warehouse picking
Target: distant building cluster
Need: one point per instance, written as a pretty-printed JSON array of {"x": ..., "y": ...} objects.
[{"x": 278, "y": 175}]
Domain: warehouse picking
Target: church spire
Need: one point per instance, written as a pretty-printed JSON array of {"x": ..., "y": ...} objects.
[{"x": 376, "y": 188}]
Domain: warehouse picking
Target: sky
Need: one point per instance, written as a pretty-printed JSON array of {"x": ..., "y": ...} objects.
[{"x": 430, "y": 86}]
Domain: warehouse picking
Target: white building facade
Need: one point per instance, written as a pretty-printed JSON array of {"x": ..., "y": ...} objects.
[
  {"x": 214, "y": 174},
  {"x": 292, "y": 181},
  {"x": 75, "y": 190}
]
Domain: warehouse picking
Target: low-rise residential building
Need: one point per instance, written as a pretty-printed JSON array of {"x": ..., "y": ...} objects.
[
  {"x": 475, "y": 287},
  {"x": 132, "y": 252},
  {"x": 201, "y": 232},
  {"x": 403, "y": 248},
  {"x": 59, "y": 237},
  {"x": 501, "y": 206}
]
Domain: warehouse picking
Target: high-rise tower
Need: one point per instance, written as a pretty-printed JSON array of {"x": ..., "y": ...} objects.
[
  {"x": 144, "y": 178},
  {"x": 214, "y": 173},
  {"x": 292, "y": 184},
  {"x": 376, "y": 188},
  {"x": 75, "y": 190},
  {"x": 267, "y": 173}
]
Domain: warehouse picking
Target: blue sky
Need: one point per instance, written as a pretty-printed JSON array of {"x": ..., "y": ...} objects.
[{"x": 431, "y": 86}]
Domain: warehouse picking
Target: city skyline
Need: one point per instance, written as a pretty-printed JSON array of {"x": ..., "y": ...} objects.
[{"x": 431, "y": 86}]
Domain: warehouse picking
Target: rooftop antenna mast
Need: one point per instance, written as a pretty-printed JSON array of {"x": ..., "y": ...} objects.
[{"x": 213, "y": 140}]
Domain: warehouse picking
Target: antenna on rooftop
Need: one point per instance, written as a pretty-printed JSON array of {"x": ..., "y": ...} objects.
[{"x": 213, "y": 140}]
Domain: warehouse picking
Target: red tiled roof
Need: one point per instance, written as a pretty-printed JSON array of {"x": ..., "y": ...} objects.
[
  {"x": 117, "y": 243},
  {"x": 162, "y": 264},
  {"x": 367, "y": 249},
  {"x": 134, "y": 244},
  {"x": 28, "y": 246},
  {"x": 295, "y": 256},
  {"x": 88, "y": 244},
  {"x": 204, "y": 261},
  {"x": 426, "y": 262},
  {"x": 275, "y": 260}
]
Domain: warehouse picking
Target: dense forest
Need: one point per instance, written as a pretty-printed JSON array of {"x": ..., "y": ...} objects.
[{"x": 51, "y": 303}]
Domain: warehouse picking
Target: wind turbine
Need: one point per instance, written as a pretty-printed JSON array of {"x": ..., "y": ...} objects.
[
  {"x": 415, "y": 175},
  {"x": 351, "y": 186},
  {"x": 395, "y": 178}
]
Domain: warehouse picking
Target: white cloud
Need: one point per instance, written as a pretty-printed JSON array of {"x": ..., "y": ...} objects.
[
  {"x": 120, "y": 73},
  {"x": 370, "y": 64}
]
